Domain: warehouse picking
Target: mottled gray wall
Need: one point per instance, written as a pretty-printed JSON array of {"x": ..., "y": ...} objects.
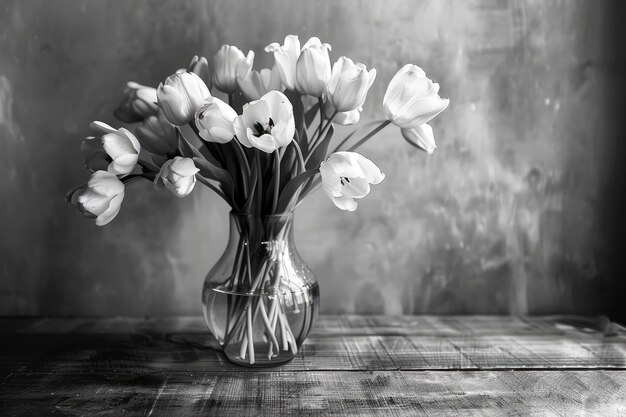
[{"x": 505, "y": 216}]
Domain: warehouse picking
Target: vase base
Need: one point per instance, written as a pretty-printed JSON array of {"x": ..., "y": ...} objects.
[{"x": 261, "y": 361}]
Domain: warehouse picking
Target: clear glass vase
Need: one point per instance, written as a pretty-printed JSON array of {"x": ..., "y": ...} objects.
[{"x": 260, "y": 299}]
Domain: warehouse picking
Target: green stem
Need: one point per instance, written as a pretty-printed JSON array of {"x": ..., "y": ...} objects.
[
  {"x": 299, "y": 151},
  {"x": 276, "y": 180},
  {"x": 214, "y": 188},
  {"x": 369, "y": 135}
]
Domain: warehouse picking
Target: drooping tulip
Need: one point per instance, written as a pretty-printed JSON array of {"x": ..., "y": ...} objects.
[
  {"x": 254, "y": 84},
  {"x": 286, "y": 57},
  {"x": 346, "y": 177},
  {"x": 180, "y": 96},
  {"x": 158, "y": 136},
  {"x": 349, "y": 84},
  {"x": 178, "y": 176},
  {"x": 114, "y": 150},
  {"x": 421, "y": 137},
  {"x": 100, "y": 199},
  {"x": 215, "y": 121},
  {"x": 412, "y": 99},
  {"x": 313, "y": 68},
  {"x": 266, "y": 124},
  {"x": 139, "y": 102},
  {"x": 226, "y": 62}
]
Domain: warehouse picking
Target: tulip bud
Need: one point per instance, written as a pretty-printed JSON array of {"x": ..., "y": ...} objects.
[
  {"x": 421, "y": 137},
  {"x": 412, "y": 99},
  {"x": 266, "y": 124},
  {"x": 178, "y": 175},
  {"x": 349, "y": 84},
  {"x": 101, "y": 198},
  {"x": 158, "y": 136},
  {"x": 313, "y": 68},
  {"x": 200, "y": 67},
  {"x": 226, "y": 62},
  {"x": 139, "y": 102},
  {"x": 286, "y": 57},
  {"x": 181, "y": 96},
  {"x": 346, "y": 176},
  {"x": 114, "y": 150},
  {"x": 215, "y": 121}
]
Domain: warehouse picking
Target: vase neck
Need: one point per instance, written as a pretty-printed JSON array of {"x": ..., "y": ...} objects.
[{"x": 261, "y": 228}]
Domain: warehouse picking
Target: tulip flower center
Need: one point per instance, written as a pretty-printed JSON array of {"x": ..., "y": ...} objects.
[
  {"x": 344, "y": 180},
  {"x": 263, "y": 129}
]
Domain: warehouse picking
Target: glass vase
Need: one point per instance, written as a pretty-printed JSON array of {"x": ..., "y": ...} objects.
[{"x": 260, "y": 300}]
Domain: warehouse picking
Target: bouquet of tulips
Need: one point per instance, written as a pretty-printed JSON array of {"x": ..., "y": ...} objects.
[{"x": 262, "y": 147}]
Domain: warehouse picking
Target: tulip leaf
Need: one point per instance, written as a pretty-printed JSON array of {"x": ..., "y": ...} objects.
[
  {"x": 290, "y": 193},
  {"x": 319, "y": 153},
  {"x": 208, "y": 170},
  {"x": 309, "y": 115}
]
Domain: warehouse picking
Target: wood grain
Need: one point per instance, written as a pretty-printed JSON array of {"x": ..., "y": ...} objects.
[{"x": 350, "y": 365}]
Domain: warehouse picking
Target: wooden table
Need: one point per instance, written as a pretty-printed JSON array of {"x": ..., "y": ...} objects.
[{"x": 349, "y": 365}]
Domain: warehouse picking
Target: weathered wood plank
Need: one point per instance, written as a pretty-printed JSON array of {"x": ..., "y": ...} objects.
[
  {"x": 319, "y": 393},
  {"x": 143, "y": 346}
]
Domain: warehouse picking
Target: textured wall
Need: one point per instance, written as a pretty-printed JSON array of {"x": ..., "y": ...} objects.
[{"x": 506, "y": 216}]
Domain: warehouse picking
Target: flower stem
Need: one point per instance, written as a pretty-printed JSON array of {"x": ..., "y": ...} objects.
[
  {"x": 213, "y": 187},
  {"x": 369, "y": 135}
]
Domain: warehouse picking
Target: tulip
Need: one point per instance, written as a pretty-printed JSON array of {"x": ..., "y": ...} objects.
[
  {"x": 412, "y": 99},
  {"x": 178, "y": 175},
  {"x": 344, "y": 118},
  {"x": 313, "y": 68},
  {"x": 181, "y": 96},
  {"x": 101, "y": 198},
  {"x": 349, "y": 83},
  {"x": 139, "y": 102},
  {"x": 286, "y": 57},
  {"x": 254, "y": 84},
  {"x": 266, "y": 124},
  {"x": 421, "y": 137},
  {"x": 215, "y": 121},
  {"x": 346, "y": 176},
  {"x": 114, "y": 150},
  {"x": 200, "y": 67},
  {"x": 158, "y": 136},
  {"x": 226, "y": 62}
]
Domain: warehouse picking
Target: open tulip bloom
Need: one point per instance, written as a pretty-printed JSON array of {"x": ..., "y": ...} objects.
[{"x": 264, "y": 148}]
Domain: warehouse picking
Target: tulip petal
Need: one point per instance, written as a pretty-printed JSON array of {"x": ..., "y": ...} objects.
[
  {"x": 347, "y": 204},
  {"x": 265, "y": 142},
  {"x": 112, "y": 210},
  {"x": 421, "y": 137}
]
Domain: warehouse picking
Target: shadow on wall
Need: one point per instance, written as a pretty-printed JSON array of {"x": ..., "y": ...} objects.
[{"x": 503, "y": 218}]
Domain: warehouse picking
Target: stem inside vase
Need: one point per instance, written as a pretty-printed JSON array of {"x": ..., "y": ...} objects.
[{"x": 260, "y": 299}]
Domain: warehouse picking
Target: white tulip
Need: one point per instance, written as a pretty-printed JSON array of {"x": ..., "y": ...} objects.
[
  {"x": 181, "y": 96},
  {"x": 226, "y": 62},
  {"x": 114, "y": 150},
  {"x": 254, "y": 84},
  {"x": 313, "y": 68},
  {"x": 266, "y": 124},
  {"x": 349, "y": 84},
  {"x": 286, "y": 58},
  {"x": 421, "y": 137},
  {"x": 412, "y": 99},
  {"x": 101, "y": 198},
  {"x": 140, "y": 102},
  {"x": 178, "y": 175},
  {"x": 346, "y": 177},
  {"x": 215, "y": 121}
]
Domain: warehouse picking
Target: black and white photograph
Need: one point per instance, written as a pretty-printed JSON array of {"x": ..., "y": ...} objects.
[{"x": 312, "y": 208}]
